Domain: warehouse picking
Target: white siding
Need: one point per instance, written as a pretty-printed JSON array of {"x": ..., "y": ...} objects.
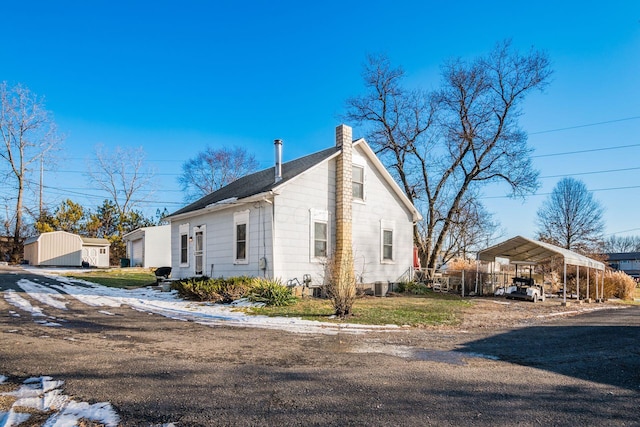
[
  {"x": 381, "y": 206},
  {"x": 59, "y": 248},
  {"x": 219, "y": 254},
  {"x": 157, "y": 246},
  {"x": 312, "y": 191}
]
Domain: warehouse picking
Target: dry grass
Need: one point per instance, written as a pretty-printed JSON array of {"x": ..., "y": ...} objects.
[{"x": 6, "y": 402}]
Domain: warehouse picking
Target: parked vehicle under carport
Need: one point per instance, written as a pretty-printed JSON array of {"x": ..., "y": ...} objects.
[{"x": 525, "y": 288}]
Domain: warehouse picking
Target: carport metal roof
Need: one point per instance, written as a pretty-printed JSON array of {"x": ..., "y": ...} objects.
[{"x": 522, "y": 249}]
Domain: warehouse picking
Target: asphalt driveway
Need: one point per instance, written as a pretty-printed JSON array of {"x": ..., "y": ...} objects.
[{"x": 580, "y": 370}]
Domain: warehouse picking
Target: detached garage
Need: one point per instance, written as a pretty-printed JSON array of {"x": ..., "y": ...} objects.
[
  {"x": 62, "y": 249},
  {"x": 149, "y": 246}
]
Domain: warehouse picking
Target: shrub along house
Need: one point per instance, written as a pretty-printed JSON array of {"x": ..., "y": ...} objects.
[{"x": 287, "y": 221}]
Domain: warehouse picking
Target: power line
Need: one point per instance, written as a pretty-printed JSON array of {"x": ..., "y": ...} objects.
[
  {"x": 590, "y": 173},
  {"x": 585, "y": 125},
  {"x": 586, "y": 151},
  {"x": 546, "y": 194}
]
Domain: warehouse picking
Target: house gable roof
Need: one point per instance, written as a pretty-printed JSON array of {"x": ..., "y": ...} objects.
[{"x": 259, "y": 182}]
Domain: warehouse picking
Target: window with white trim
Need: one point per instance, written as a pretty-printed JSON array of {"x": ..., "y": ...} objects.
[
  {"x": 387, "y": 245},
  {"x": 319, "y": 235},
  {"x": 357, "y": 182},
  {"x": 241, "y": 237},
  {"x": 184, "y": 245},
  {"x": 386, "y": 241},
  {"x": 320, "y": 239}
]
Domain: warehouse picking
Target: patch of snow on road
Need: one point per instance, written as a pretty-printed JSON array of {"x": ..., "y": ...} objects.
[
  {"x": 43, "y": 394},
  {"x": 43, "y": 294},
  {"x": 16, "y": 300}
]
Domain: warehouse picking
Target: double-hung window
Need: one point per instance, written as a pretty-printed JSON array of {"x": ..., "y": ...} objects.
[
  {"x": 386, "y": 241},
  {"x": 320, "y": 239},
  {"x": 241, "y": 237},
  {"x": 319, "y": 235},
  {"x": 184, "y": 245},
  {"x": 357, "y": 177},
  {"x": 387, "y": 245}
]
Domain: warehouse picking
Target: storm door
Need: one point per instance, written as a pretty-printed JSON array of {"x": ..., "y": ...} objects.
[{"x": 198, "y": 251}]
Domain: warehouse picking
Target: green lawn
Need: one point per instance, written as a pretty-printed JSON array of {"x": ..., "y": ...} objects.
[
  {"x": 127, "y": 278},
  {"x": 425, "y": 310},
  {"x": 413, "y": 310}
]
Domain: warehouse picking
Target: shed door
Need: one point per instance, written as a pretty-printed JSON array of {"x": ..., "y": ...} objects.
[
  {"x": 90, "y": 255},
  {"x": 137, "y": 258}
]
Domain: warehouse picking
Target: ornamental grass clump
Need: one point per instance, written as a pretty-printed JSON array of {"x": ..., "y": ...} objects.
[
  {"x": 618, "y": 284},
  {"x": 271, "y": 292}
]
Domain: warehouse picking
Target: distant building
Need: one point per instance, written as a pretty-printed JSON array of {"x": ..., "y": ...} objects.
[
  {"x": 62, "y": 249},
  {"x": 629, "y": 262},
  {"x": 149, "y": 246}
]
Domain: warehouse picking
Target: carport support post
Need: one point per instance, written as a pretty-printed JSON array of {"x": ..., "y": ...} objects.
[
  {"x": 463, "y": 282},
  {"x": 597, "y": 276},
  {"x": 564, "y": 288},
  {"x": 578, "y": 282},
  {"x": 588, "y": 271}
]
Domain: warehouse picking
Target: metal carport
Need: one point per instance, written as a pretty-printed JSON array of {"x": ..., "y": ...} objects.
[{"x": 528, "y": 250}]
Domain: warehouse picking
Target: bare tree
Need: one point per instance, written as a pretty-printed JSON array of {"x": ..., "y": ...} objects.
[
  {"x": 123, "y": 175},
  {"x": 212, "y": 169},
  {"x": 445, "y": 145},
  {"x": 619, "y": 244},
  {"x": 571, "y": 218},
  {"x": 29, "y": 136}
]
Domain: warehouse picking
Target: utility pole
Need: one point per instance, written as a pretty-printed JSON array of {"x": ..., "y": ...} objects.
[{"x": 41, "y": 182}]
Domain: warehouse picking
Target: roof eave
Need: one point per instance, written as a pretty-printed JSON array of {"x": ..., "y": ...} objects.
[{"x": 224, "y": 204}]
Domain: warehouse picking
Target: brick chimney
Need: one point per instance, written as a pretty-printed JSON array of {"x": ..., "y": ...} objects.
[{"x": 344, "y": 197}]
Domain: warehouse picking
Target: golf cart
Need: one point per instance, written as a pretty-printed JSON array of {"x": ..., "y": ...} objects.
[{"x": 524, "y": 288}]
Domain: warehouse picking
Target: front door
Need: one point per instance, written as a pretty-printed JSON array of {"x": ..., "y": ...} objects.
[{"x": 198, "y": 251}]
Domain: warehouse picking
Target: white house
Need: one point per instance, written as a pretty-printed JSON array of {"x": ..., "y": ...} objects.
[
  {"x": 629, "y": 262},
  {"x": 286, "y": 221},
  {"x": 59, "y": 248},
  {"x": 149, "y": 246}
]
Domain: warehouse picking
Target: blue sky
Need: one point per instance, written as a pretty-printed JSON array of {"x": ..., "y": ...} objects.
[{"x": 174, "y": 77}]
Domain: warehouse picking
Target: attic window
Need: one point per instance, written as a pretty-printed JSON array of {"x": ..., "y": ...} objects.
[{"x": 357, "y": 176}]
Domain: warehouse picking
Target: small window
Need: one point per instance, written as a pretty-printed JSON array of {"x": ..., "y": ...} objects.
[
  {"x": 358, "y": 182},
  {"x": 103, "y": 251},
  {"x": 241, "y": 242},
  {"x": 387, "y": 245},
  {"x": 320, "y": 239},
  {"x": 184, "y": 249},
  {"x": 241, "y": 237}
]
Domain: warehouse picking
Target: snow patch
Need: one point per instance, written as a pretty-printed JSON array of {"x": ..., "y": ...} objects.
[
  {"x": 17, "y": 301},
  {"x": 44, "y": 394},
  {"x": 43, "y": 294}
]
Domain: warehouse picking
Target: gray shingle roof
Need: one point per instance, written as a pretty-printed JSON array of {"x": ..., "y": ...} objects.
[
  {"x": 259, "y": 182},
  {"x": 623, "y": 256}
]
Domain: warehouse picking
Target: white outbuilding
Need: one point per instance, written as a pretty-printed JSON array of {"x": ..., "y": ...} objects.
[
  {"x": 149, "y": 246},
  {"x": 63, "y": 249}
]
